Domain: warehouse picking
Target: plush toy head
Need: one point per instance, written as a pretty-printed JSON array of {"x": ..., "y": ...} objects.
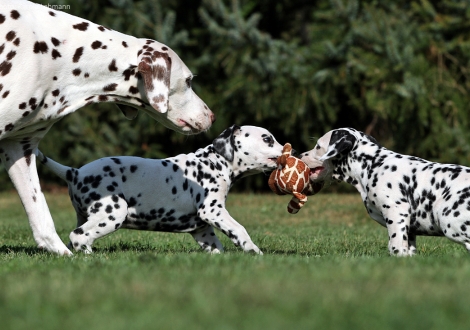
[{"x": 292, "y": 177}]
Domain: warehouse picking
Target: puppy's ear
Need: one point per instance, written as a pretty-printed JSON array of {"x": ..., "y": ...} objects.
[
  {"x": 155, "y": 69},
  {"x": 224, "y": 144},
  {"x": 341, "y": 143},
  {"x": 373, "y": 140}
]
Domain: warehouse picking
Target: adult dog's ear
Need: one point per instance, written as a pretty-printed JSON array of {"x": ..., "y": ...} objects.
[
  {"x": 155, "y": 69},
  {"x": 224, "y": 144},
  {"x": 341, "y": 142}
]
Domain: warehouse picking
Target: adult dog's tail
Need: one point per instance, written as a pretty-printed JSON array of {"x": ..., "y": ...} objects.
[{"x": 62, "y": 171}]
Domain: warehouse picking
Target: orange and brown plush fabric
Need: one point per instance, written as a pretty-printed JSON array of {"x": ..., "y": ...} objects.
[{"x": 291, "y": 177}]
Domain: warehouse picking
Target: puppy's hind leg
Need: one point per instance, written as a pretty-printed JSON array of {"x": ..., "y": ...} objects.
[
  {"x": 467, "y": 246},
  {"x": 207, "y": 240},
  {"x": 221, "y": 219},
  {"x": 105, "y": 217},
  {"x": 411, "y": 244}
]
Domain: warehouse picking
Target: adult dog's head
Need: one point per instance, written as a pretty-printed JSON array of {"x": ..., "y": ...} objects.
[
  {"x": 331, "y": 152},
  {"x": 167, "y": 86}
]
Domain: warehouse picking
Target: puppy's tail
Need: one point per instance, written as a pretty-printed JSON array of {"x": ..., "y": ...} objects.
[{"x": 63, "y": 172}]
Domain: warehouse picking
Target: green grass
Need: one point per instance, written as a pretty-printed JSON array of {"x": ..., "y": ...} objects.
[{"x": 325, "y": 268}]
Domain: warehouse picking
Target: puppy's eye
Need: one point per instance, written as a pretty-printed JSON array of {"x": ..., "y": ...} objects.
[
  {"x": 188, "y": 82},
  {"x": 317, "y": 147},
  {"x": 268, "y": 139}
]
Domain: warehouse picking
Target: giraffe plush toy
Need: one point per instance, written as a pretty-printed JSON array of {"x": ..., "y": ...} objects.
[{"x": 292, "y": 177}]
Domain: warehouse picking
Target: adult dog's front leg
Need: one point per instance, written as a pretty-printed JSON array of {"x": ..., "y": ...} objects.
[
  {"x": 219, "y": 218},
  {"x": 20, "y": 162}
]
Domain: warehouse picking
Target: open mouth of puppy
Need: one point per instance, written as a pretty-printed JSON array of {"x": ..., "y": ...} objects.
[
  {"x": 272, "y": 162},
  {"x": 315, "y": 172}
]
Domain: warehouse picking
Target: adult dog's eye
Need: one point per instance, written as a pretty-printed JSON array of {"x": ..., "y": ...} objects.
[{"x": 188, "y": 82}]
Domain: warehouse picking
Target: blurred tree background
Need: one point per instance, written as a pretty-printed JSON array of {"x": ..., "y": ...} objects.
[{"x": 398, "y": 70}]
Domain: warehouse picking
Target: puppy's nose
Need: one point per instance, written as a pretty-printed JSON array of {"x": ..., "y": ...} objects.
[
  {"x": 296, "y": 154},
  {"x": 212, "y": 117}
]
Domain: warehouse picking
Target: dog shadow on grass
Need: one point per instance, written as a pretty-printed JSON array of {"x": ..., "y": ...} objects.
[
  {"x": 29, "y": 250},
  {"x": 148, "y": 248},
  {"x": 144, "y": 249}
]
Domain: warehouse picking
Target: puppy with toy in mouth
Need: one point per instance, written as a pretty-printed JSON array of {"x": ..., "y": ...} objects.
[
  {"x": 408, "y": 195},
  {"x": 182, "y": 194}
]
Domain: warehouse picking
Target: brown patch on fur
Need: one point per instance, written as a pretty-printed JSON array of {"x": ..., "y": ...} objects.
[
  {"x": 10, "y": 55},
  {"x": 110, "y": 87},
  {"x": 81, "y": 26},
  {"x": 62, "y": 109},
  {"x": 159, "y": 98},
  {"x": 5, "y": 68},
  {"x": 149, "y": 71},
  {"x": 112, "y": 66},
  {"x": 77, "y": 55},
  {"x": 146, "y": 71},
  {"x": 14, "y": 14},
  {"x": 40, "y": 47},
  {"x": 55, "y": 54},
  {"x": 55, "y": 41},
  {"x": 96, "y": 44},
  {"x": 10, "y": 35},
  {"x": 27, "y": 156}
]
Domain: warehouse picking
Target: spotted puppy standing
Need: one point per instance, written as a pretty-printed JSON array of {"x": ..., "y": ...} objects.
[
  {"x": 408, "y": 195},
  {"x": 52, "y": 64},
  {"x": 185, "y": 193}
]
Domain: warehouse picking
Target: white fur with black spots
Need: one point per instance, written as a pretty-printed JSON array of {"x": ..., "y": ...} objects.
[
  {"x": 408, "y": 195},
  {"x": 52, "y": 64},
  {"x": 185, "y": 193}
]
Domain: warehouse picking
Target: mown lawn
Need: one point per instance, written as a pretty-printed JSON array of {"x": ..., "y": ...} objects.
[{"x": 325, "y": 268}]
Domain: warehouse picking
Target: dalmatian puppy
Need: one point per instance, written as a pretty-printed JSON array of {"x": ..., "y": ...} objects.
[
  {"x": 182, "y": 194},
  {"x": 409, "y": 196},
  {"x": 53, "y": 63}
]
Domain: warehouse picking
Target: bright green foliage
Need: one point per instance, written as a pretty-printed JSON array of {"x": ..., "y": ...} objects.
[{"x": 398, "y": 70}]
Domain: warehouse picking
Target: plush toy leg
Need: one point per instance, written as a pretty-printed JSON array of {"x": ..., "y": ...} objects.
[{"x": 296, "y": 203}]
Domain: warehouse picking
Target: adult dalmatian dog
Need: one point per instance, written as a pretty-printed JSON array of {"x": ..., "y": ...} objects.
[
  {"x": 183, "y": 194},
  {"x": 410, "y": 196},
  {"x": 52, "y": 64}
]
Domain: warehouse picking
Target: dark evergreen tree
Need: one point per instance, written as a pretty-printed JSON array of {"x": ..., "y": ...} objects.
[{"x": 398, "y": 70}]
